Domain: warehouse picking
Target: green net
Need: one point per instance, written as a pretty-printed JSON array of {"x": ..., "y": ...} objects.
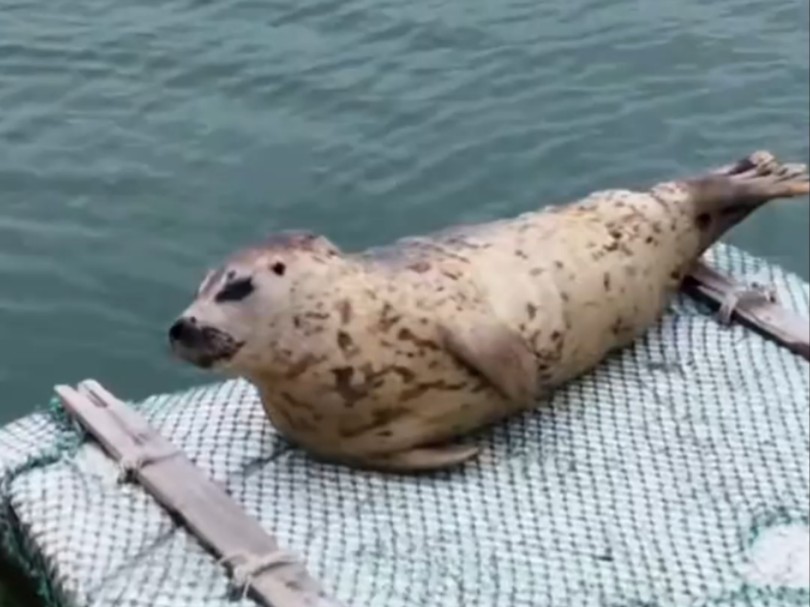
[{"x": 676, "y": 474}]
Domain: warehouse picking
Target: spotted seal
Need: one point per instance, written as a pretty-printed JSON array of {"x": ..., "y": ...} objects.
[{"x": 382, "y": 358}]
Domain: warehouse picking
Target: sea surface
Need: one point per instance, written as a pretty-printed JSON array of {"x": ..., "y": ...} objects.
[{"x": 140, "y": 142}]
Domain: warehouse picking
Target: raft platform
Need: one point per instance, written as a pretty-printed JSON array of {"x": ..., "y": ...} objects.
[{"x": 676, "y": 474}]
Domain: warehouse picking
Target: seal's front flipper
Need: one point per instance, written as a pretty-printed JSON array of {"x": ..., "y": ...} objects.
[
  {"x": 423, "y": 459},
  {"x": 497, "y": 353}
]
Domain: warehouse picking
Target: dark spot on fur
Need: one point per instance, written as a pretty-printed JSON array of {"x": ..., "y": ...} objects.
[
  {"x": 555, "y": 335},
  {"x": 649, "y": 240},
  {"x": 531, "y": 310},
  {"x": 535, "y": 272},
  {"x": 521, "y": 254},
  {"x": 559, "y": 264},
  {"x": 297, "y": 321},
  {"x": 547, "y": 360},
  {"x": 316, "y": 315},
  {"x": 565, "y": 296},
  {"x": 606, "y": 281},
  {"x": 344, "y": 387},
  {"x": 620, "y": 327},
  {"x": 631, "y": 270},
  {"x": 372, "y": 378},
  {"x": 703, "y": 221},
  {"x": 278, "y": 268},
  {"x": 406, "y": 374},
  {"x": 387, "y": 318},
  {"x": 301, "y": 366},
  {"x": 406, "y": 334},
  {"x": 388, "y": 414},
  {"x": 420, "y": 389},
  {"x": 385, "y": 433},
  {"x": 346, "y": 343},
  {"x": 381, "y": 416},
  {"x": 613, "y": 246},
  {"x": 419, "y": 266},
  {"x": 235, "y": 290},
  {"x": 345, "y": 310}
]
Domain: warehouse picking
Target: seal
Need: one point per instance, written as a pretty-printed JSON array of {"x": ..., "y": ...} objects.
[{"x": 385, "y": 358}]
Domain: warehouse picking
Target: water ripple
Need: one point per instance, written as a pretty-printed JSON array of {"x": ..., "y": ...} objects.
[{"x": 139, "y": 142}]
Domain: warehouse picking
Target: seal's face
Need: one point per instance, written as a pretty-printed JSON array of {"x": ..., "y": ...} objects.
[
  {"x": 215, "y": 327},
  {"x": 239, "y": 310}
]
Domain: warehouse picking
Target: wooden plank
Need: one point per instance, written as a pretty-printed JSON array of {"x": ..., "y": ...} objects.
[
  {"x": 766, "y": 317},
  {"x": 209, "y": 513}
]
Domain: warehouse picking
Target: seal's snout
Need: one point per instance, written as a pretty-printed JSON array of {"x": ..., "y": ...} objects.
[
  {"x": 185, "y": 331},
  {"x": 201, "y": 345}
]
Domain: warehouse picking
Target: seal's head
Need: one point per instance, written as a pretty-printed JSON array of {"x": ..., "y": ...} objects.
[{"x": 242, "y": 307}]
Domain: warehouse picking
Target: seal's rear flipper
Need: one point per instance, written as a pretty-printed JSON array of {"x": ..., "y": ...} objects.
[
  {"x": 724, "y": 197},
  {"x": 753, "y": 180}
]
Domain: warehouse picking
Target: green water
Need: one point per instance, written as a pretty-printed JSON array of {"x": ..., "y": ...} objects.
[{"x": 140, "y": 142}]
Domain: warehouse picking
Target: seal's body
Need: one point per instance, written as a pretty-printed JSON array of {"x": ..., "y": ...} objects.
[{"x": 379, "y": 359}]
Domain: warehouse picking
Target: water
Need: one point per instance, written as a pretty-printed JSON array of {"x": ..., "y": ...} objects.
[{"x": 140, "y": 142}]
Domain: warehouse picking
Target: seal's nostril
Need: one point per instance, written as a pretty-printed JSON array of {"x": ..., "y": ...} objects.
[{"x": 180, "y": 330}]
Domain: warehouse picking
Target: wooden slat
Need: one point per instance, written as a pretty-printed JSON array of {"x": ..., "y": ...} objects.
[
  {"x": 176, "y": 483},
  {"x": 766, "y": 317}
]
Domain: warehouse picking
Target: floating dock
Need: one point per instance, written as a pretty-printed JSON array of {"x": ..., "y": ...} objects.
[{"x": 675, "y": 474}]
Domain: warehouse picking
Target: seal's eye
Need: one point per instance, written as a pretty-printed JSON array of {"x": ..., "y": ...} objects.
[
  {"x": 278, "y": 268},
  {"x": 236, "y": 290}
]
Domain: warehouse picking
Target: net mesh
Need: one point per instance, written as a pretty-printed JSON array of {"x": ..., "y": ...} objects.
[{"x": 676, "y": 473}]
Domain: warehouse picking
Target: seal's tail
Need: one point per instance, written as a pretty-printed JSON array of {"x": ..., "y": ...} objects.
[{"x": 726, "y": 196}]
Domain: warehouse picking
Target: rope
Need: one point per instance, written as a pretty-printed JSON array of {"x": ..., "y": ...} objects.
[
  {"x": 753, "y": 293},
  {"x": 252, "y": 565},
  {"x": 147, "y": 455}
]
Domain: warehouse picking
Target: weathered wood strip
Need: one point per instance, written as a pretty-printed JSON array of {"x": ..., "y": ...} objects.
[
  {"x": 758, "y": 313},
  {"x": 254, "y": 557}
]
